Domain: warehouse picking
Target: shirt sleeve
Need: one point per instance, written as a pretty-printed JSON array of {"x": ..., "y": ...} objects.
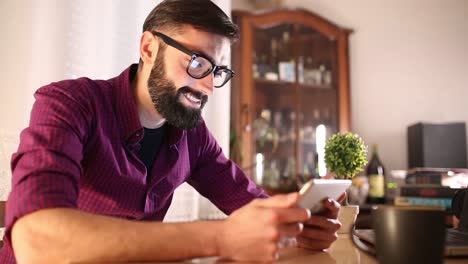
[
  {"x": 220, "y": 179},
  {"x": 47, "y": 166}
]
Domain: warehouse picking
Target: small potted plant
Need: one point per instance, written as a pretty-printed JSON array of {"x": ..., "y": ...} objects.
[{"x": 345, "y": 156}]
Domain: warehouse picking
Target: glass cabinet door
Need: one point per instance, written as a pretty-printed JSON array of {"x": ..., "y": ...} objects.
[
  {"x": 290, "y": 94},
  {"x": 274, "y": 121},
  {"x": 317, "y": 99}
]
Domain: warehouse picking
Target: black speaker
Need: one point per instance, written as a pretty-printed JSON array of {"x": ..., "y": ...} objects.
[{"x": 437, "y": 145}]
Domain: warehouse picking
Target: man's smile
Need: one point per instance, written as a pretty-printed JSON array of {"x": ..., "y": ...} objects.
[{"x": 192, "y": 99}]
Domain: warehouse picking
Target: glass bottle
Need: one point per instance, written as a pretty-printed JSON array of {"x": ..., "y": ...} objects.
[
  {"x": 278, "y": 126},
  {"x": 308, "y": 151},
  {"x": 274, "y": 54},
  {"x": 292, "y": 128},
  {"x": 286, "y": 66},
  {"x": 266, "y": 137},
  {"x": 271, "y": 178},
  {"x": 327, "y": 121},
  {"x": 300, "y": 70},
  {"x": 284, "y": 48},
  {"x": 376, "y": 173},
  {"x": 288, "y": 179},
  {"x": 255, "y": 66}
]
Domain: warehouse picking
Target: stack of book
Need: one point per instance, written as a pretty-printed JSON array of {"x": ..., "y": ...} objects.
[
  {"x": 424, "y": 187},
  {"x": 426, "y": 195}
]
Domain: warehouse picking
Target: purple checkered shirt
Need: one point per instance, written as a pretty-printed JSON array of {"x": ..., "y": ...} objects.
[{"x": 80, "y": 151}]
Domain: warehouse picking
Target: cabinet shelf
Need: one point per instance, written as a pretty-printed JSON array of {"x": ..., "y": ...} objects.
[{"x": 264, "y": 84}]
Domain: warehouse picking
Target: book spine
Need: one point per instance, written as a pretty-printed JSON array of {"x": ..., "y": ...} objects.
[
  {"x": 424, "y": 201},
  {"x": 424, "y": 179},
  {"x": 419, "y": 191}
]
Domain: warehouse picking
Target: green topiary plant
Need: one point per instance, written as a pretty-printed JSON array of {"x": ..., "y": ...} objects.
[{"x": 345, "y": 155}]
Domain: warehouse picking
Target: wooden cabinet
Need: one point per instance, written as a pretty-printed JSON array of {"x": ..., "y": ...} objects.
[{"x": 290, "y": 93}]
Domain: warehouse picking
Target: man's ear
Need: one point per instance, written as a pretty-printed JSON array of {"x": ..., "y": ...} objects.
[{"x": 148, "y": 47}]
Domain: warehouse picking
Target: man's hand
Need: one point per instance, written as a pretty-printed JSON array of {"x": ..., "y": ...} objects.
[
  {"x": 320, "y": 230},
  {"x": 252, "y": 232}
]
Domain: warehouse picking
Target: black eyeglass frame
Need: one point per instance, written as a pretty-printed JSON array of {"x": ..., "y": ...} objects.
[{"x": 193, "y": 55}]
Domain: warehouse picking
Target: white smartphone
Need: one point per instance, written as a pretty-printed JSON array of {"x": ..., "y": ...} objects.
[{"x": 315, "y": 190}]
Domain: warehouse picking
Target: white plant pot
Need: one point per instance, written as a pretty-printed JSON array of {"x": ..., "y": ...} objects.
[{"x": 347, "y": 216}]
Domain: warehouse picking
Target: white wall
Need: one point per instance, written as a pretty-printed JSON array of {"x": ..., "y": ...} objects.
[
  {"x": 409, "y": 63},
  {"x": 50, "y": 40}
]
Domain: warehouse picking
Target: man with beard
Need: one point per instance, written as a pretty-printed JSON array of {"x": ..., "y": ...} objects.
[{"x": 97, "y": 167}]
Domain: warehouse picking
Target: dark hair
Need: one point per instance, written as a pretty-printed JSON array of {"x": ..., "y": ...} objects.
[{"x": 201, "y": 14}]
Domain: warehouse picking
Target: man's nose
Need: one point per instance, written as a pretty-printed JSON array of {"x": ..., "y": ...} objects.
[{"x": 206, "y": 84}]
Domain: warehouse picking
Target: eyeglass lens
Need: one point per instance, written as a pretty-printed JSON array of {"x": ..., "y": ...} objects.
[{"x": 200, "y": 67}]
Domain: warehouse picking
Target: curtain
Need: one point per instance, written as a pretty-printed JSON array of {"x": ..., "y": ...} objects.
[{"x": 51, "y": 40}]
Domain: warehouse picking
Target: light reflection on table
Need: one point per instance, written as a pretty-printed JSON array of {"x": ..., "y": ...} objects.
[{"x": 342, "y": 252}]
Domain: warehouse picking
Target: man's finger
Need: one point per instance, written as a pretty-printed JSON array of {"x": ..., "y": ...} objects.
[
  {"x": 292, "y": 215},
  {"x": 312, "y": 244},
  {"x": 332, "y": 208},
  {"x": 291, "y": 230},
  {"x": 318, "y": 234},
  {"x": 323, "y": 223},
  {"x": 279, "y": 201},
  {"x": 341, "y": 198}
]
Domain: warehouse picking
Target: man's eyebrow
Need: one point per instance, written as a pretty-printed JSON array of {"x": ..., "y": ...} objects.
[
  {"x": 199, "y": 52},
  {"x": 206, "y": 56}
]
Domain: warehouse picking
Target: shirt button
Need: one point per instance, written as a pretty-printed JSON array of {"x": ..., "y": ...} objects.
[{"x": 137, "y": 134}]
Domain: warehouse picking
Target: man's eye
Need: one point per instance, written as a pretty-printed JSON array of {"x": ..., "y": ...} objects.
[{"x": 196, "y": 64}]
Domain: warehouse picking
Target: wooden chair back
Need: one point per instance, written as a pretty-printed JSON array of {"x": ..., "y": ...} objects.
[
  {"x": 2, "y": 219},
  {"x": 2, "y": 213}
]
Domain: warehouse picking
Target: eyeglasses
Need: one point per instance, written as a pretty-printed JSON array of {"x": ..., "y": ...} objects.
[{"x": 199, "y": 66}]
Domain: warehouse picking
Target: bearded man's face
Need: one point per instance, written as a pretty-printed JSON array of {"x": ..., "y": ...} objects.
[{"x": 169, "y": 100}]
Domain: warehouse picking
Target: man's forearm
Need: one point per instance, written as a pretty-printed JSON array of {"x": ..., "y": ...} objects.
[{"x": 68, "y": 235}]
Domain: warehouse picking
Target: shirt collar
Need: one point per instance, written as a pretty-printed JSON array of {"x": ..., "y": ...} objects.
[{"x": 125, "y": 106}]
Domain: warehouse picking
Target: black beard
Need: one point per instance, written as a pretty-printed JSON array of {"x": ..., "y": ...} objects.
[{"x": 167, "y": 99}]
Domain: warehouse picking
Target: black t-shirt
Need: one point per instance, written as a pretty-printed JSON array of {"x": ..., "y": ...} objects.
[{"x": 150, "y": 145}]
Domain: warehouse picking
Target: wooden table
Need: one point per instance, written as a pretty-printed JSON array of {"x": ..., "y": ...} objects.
[{"x": 342, "y": 251}]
